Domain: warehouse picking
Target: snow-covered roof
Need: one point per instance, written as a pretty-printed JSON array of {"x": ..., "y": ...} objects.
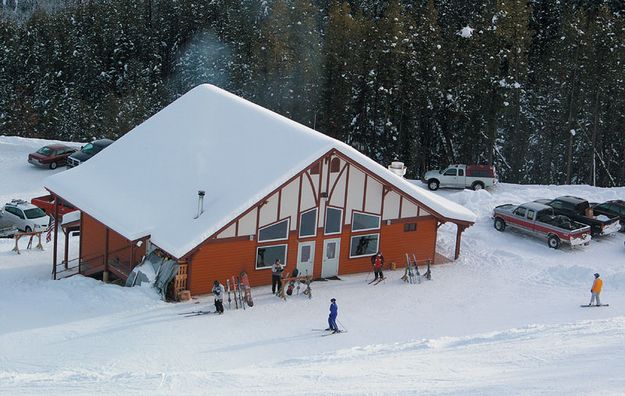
[{"x": 146, "y": 183}]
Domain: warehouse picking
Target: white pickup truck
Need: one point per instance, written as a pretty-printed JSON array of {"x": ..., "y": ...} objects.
[{"x": 475, "y": 177}]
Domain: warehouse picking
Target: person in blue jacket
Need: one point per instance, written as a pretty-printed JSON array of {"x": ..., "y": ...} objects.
[{"x": 334, "y": 312}]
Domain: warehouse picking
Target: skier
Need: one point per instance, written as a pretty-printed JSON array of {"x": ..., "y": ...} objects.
[
  {"x": 276, "y": 275},
  {"x": 377, "y": 261},
  {"x": 596, "y": 290},
  {"x": 334, "y": 312},
  {"x": 218, "y": 292}
]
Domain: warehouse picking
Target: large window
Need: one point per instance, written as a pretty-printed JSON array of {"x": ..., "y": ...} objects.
[
  {"x": 267, "y": 255},
  {"x": 274, "y": 232},
  {"x": 308, "y": 223},
  {"x": 364, "y": 245},
  {"x": 334, "y": 218},
  {"x": 363, "y": 222}
]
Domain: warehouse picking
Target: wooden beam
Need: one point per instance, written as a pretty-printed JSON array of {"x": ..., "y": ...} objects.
[
  {"x": 458, "y": 239},
  {"x": 66, "y": 253},
  {"x": 56, "y": 235},
  {"x": 106, "y": 252}
]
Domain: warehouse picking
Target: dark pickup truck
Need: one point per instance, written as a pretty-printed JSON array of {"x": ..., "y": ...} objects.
[{"x": 579, "y": 209}]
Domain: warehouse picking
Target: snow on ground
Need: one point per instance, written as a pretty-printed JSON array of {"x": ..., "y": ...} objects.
[{"x": 503, "y": 319}]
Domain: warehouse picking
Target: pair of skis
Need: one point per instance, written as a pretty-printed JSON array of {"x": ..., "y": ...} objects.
[
  {"x": 237, "y": 291},
  {"x": 241, "y": 291},
  {"x": 376, "y": 281},
  {"x": 412, "y": 274},
  {"x": 594, "y": 305},
  {"x": 196, "y": 313},
  {"x": 329, "y": 332}
]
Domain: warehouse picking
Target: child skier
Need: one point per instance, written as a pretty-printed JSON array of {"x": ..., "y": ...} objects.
[
  {"x": 377, "y": 261},
  {"x": 334, "y": 312},
  {"x": 218, "y": 293},
  {"x": 596, "y": 290}
]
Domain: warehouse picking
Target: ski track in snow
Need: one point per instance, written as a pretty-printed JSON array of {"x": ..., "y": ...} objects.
[{"x": 503, "y": 319}]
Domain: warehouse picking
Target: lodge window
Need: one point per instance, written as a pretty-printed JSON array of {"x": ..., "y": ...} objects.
[
  {"x": 334, "y": 219},
  {"x": 364, "y": 222},
  {"x": 267, "y": 255},
  {"x": 274, "y": 232},
  {"x": 315, "y": 169},
  {"x": 364, "y": 245},
  {"x": 409, "y": 227},
  {"x": 335, "y": 165},
  {"x": 308, "y": 223}
]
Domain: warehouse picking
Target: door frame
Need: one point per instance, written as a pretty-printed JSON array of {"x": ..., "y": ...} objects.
[
  {"x": 312, "y": 257},
  {"x": 337, "y": 256}
]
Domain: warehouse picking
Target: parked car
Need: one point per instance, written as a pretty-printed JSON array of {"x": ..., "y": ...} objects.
[
  {"x": 87, "y": 151},
  {"x": 578, "y": 209},
  {"x": 540, "y": 220},
  {"x": 25, "y": 216},
  {"x": 46, "y": 202},
  {"x": 475, "y": 177},
  {"x": 51, "y": 156},
  {"x": 7, "y": 228},
  {"x": 614, "y": 208}
]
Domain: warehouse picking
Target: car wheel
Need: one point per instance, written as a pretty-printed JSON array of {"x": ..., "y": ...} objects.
[
  {"x": 553, "y": 242},
  {"x": 53, "y": 165},
  {"x": 28, "y": 229},
  {"x": 499, "y": 224},
  {"x": 478, "y": 186},
  {"x": 433, "y": 184}
]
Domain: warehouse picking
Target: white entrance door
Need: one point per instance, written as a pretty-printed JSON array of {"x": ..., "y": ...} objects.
[
  {"x": 306, "y": 258},
  {"x": 330, "y": 262}
]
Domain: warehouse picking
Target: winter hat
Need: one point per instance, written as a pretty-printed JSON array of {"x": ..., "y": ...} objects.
[
  {"x": 596, "y": 275},
  {"x": 333, "y": 300}
]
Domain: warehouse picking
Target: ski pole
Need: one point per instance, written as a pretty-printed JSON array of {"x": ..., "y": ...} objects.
[{"x": 344, "y": 328}]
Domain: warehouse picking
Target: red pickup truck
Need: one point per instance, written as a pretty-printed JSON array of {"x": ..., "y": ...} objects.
[{"x": 46, "y": 203}]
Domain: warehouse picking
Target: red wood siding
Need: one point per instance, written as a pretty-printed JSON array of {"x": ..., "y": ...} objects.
[
  {"x": 222, "y": 258},
  {"x": 93, "y": 243}
]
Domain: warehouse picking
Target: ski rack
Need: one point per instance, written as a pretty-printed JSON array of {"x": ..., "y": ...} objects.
[
  {"x": 306, "y": 280},
  {"x": 412, "y": 274}
]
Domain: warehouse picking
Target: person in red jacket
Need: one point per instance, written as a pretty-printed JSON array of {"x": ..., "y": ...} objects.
[
  {"x": 596, "y": 290},
  {"x": 377, "y": 261}
]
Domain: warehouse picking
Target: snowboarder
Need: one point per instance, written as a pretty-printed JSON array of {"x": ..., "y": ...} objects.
[
  {"x": 276, "y": 275},
  {"x": 377, "y": 261},
  {"x": 334, "y": 312},
  {"x": 596, "y": 290},
  {"x": 218, "y": 292}
]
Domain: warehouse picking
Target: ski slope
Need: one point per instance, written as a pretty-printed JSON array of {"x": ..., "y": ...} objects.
[{"x": 503, "y": 319}]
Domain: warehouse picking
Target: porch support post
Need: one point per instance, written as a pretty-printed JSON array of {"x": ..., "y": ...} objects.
[
  {"x": 56, "y": 232},
  {"x": 458, "y": 239},
  {"x": 66, "y": 248},
  {"x": 105, "y": 275}
]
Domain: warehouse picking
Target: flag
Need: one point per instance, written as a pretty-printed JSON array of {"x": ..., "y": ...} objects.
[{"x": 50, "y": 228}]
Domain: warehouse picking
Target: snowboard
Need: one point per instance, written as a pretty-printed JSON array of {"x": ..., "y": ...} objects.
[
  {"x": 587, "y": 305},
  {"x": 247, "y": 290}
]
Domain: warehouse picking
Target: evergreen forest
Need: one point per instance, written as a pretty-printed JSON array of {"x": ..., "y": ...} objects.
[{"x": 534, "y": 87}]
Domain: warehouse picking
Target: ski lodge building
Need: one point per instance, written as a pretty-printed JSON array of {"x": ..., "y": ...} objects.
[{"x": 273, "y": 189}]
